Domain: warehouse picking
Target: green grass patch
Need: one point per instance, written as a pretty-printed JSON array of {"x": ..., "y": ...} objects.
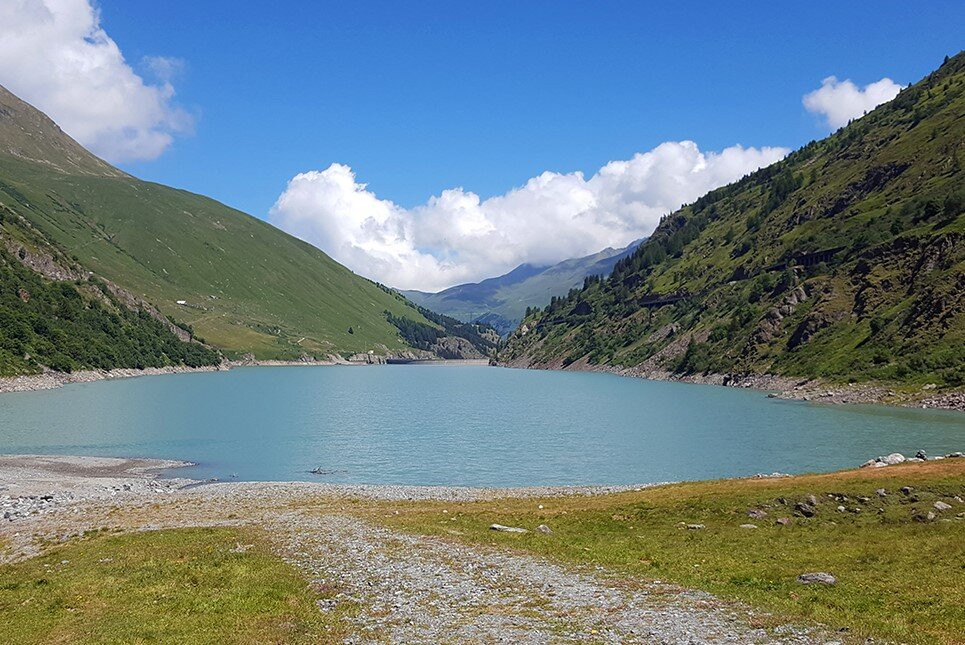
[
  {"x": 898, "y": 578},
  {"x": 174, "y": 586}
]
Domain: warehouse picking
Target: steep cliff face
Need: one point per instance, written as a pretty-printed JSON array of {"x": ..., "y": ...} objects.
[{"x": 844, "y": 261}]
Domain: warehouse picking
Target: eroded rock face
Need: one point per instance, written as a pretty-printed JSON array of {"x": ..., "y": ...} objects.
[{"x": 454, "y": 347}]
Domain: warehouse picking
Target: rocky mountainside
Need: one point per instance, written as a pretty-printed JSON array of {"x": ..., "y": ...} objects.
[
  {"x": 845, "y": 261},
  {"x": 502, "y": 301},
  {"x": 243, "y": 285}
]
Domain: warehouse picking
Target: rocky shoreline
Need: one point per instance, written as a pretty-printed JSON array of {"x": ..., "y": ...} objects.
[
  {"x": 784, "y": 387},
  {"x": 50, "y": 379}
]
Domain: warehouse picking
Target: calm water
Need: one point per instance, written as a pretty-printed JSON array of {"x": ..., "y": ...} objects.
[{"x": 469, "y": 425}]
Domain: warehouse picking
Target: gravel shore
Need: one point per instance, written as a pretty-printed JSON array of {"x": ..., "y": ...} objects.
[{"x": 408, "y": 588}]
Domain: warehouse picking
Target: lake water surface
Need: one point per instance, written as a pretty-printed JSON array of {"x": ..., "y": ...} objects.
[{"x": 459, "y": 424}]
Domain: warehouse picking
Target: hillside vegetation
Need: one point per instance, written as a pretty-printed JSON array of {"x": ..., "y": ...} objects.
[
  {"x": 246, "y": 286},
  {"x": 76, "y": 321},
  {"x": 845, "y": 261}
]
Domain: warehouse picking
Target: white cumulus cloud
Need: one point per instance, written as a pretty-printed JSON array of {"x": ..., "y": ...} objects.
[
  {"x": 841, "y": 101},
  {"x": 55, "y": 55},
  {"x": 457, "y": 237}
]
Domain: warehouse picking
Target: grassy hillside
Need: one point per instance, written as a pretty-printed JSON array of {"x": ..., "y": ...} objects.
[
  {"x": 76, "y": 321},
  {"x": 502, "y": 301},
  {"x": 248, "y": 287},
  {"x": 845, "y": 261}
]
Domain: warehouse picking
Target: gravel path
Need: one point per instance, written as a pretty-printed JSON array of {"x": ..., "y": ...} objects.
[
  {"x": 430, "y": 590},
  {"x": 405, "y": 588}
]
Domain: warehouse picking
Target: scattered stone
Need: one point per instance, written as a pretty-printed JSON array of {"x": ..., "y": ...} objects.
[
  {"x": 695, "y": 527},
  {"x": 507, "y": 529},
  {"x": 882, "y": 492},
  {"x": 841, "y": 509},
  {"x": 757, "y": 513},
  {"x": 864, "y": 500},
  {"x": 921, "y": 455},
  {"x": 748, "y": 526},
  {"x": 953, "y": 455},
  {"x": 805, "y": 509},
  {"x": 545, "y": 530},
  {"x": 906, "y": 490},
  {"x": 817, "y": 578},
  {"x": 812, "y": 500},
  {"x": 942, "y": 506},
  {"x": 893, "y": 459},
  {"x": 783, "y": 521}
]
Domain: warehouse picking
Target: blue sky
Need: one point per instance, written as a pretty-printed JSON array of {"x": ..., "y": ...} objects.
[
  {"x": 428, "y": 143},
  {"x": 422, "y": 96}
]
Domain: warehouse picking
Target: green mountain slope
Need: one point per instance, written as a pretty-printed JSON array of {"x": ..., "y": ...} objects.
[
  {"x": 246, "y": 286},
  {"x": 55, "y": 315},
  {"x": 502, "y": 301},
  {"x": 844, "y": 261}
]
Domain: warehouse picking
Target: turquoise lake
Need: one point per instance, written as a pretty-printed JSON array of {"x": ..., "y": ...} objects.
[{"x": 459, "y": 425}]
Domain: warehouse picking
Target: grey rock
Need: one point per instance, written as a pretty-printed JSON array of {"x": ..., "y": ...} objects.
[
  {"x": 921, "y": 455},
  {"x": 805, "y": 509},
  {"x": 545, "y": 530},
  {"x": 748, "y": 526},
  {"x": 757, "y": 513},
  {"x": 695, "y": 527},
  {"x": 507, "y": 529},
  {"x": 817, "y": 578},
  {"x": 893, "y": 459},
  {"x": 783, "y": 521},
  {"x": 907, "y": 490},
  {"x": 882, "y": 492},
  {"x": 942, "y": 506}
]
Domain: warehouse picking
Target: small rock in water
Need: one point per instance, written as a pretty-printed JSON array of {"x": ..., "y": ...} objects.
[
  {"x": 507, "y": 529},
  {"x": 942, "y": 506},
  {"x": 542, "y": 528},
  {"x": 817, "y": 578}
]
